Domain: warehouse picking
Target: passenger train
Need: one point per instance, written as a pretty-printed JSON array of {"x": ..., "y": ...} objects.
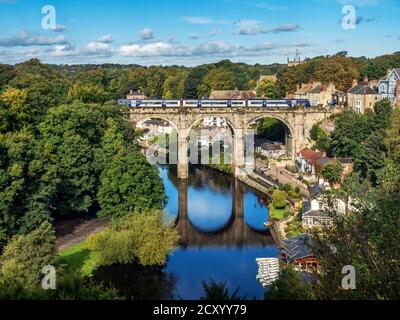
[{"x": 262, "y": 103}]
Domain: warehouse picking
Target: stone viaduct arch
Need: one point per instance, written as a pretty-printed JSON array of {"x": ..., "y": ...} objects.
[{"x": 298, "y": 121}]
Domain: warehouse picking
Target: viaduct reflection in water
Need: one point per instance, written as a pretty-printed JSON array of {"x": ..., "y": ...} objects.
[
  {"x": 225, "y": 221},
  {"x": 220, "y": 221}
]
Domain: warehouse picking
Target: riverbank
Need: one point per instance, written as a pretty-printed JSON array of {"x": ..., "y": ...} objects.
[{"x": 71, "y": 232}]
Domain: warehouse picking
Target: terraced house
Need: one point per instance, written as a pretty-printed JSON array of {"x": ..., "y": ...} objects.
[
  {"x": 319, "y": 94},
  {"x": 362, "y": 96},
  {"x": 389, "y": 86}
]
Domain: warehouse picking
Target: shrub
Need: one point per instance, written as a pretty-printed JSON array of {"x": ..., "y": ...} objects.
[
  {"x": 143, "y": 237},
  {"x": 24, "y": 256},
  {"x": 279, "y": 198}
]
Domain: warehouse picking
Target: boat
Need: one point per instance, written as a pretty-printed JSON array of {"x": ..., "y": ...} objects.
[{"x": 268, "y": 224}]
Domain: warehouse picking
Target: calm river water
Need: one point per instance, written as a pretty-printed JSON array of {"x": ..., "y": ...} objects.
[{"x": 220, "y": 221}]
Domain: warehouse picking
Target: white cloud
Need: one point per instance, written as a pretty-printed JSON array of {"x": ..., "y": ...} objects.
[
  {"x": 197, "y": 20},
  {"x": 95, "y": 48},
  {"x": 214, "y": 32},
  {"x": 59, "y": 28},
  {"x": 205, "y": 20},
  {"x": 147, "y": 34},
  {"x": 254, "y": 27},
  {"x": 193, "y": 36},
  {"x": 210, "y": 48},
  {"x": 265, "y": 5},
  {"x": 107, "y": 38},
  {"x": 98, "y": 48},
  {"x": 26, "y": 39}
]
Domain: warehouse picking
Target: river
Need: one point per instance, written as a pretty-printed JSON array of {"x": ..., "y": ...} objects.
[{"x": 221, "y": 224}]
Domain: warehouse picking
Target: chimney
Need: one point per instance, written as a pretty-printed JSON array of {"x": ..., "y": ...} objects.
[
  {"x": 297, "y": 87},
  {"x": 366, "y": 79},
  {"x": 355, "y": 83},
  {"x": 130, "y": 91},
  {"x": 388, "y": 72}
]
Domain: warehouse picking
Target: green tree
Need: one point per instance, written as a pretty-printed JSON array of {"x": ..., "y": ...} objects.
[
  {"x": 289, "y": 286},
  {"x": 146, "y": 238},
  {"x": 27, "y": 183},
  {"x": 279, "y": 199},
  {"x": 7, "y": 72},
  {"x": 70, "y": 286},
  {"x": 271, "y": 129},
  {"x": 24, "y": 256},
  {"x": 267, "y": 89},
  {"x": 193, "y": 81},
  {"x": 332, "y": 172},
  {"x": 129, "y": 183},
  {"x": 45, "y": 87}
]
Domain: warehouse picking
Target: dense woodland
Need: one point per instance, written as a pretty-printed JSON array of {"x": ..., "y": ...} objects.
[
  {"x": 66, "y": 149},
  {"x": 100, "y": 83}
]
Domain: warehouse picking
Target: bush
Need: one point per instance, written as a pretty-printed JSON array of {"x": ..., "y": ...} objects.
[
  {"x": 69, "y": 286},
  {"x": 279, "y": 199},
  {"x": 145, "y": 238},
  {"x": 24, "y": 256}
]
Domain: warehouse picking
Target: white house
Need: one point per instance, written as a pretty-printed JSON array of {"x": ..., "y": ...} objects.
[
  {"x": 389, "y": 86},
  {"x": 270, "y": 149},
  {"x": 214, "y": 122},
  {"x": 156, "y": 127},
  {"x": 316, "y": 211}
]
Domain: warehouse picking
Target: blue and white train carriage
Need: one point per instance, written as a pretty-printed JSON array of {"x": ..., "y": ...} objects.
[{"x": 208, "y": 103}]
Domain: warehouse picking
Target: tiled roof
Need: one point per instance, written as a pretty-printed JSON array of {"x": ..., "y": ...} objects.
[
  {"x": 324, "y": 161},
  {"x": 317, "y": 89},
  {"x": 310, "y": 155},
  {"x": 362, "y": 89},
  {"x": 270, "y": 146},
  {"x": 316, "y": 190},
  {"x": 298, "y": 247}
]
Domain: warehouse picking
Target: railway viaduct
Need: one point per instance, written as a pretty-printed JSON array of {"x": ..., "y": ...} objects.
[{"x": 298, "y": 122}]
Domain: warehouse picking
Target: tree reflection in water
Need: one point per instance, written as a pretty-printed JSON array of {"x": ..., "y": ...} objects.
[
  {"x": 135, "y": 282},
  {"x": 221, "y": 223}
]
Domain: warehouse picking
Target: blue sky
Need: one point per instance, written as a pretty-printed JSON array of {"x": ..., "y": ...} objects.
[{"x": 189, "y": 32}]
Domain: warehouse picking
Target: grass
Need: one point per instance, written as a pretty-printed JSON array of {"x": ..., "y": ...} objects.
[
  {"x": 279, "y": 214},
  {"x": 79, "y": 258}
]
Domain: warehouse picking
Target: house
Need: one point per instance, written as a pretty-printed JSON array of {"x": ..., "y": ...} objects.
[
  {"x": 156, "y": 127},
  {"x": 313, "y": 215},
  {"x": 299, "y": 251},
  {"x": 214, "y": 122},
  {"x": 319, "y": 94},
  {"x": 232, "y": 95},
  {"x": 318, "y": 210},
  {"x": 306, "y": 161},
  {"x": 270, "y": 149},
  {"x": 302, "y": 91},
  {"x": 389, "y": 87},
  {"x": 361, "y": 97},
  {"x": 136, "y": 95}
]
